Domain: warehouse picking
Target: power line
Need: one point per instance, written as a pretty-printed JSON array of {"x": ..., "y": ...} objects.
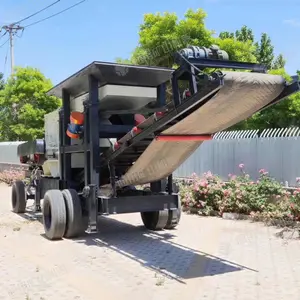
[
  {"x": 5, "y": 60},
  {"x": 12, "y": 30},
  {"x": 4, "y": 43},
  {"x": 3, "y": 34},
  {"x": 60, "y": 12},
  {"x": 36, "y": 13}
]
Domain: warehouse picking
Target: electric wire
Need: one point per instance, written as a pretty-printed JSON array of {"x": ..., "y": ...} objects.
[
  {"x": 5, "y": 32},
  {"x": 4, "y": 43},
  {"x": 5, "y": 60},
  {"x": 34, "y": 14},
  {"x": 51, "y": 16}
]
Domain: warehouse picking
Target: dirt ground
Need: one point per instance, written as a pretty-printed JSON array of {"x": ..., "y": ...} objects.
[{"x": 204, "y": 258}]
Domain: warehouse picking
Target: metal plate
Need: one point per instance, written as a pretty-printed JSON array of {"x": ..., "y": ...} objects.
[
  {"x": 110, "y": 73},
  {"x": 31, "y": 147}
]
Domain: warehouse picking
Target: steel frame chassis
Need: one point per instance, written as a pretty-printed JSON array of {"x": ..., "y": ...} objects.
[
  {"x": 96, "y": 205},
  {"x": 157, "y": 199}
]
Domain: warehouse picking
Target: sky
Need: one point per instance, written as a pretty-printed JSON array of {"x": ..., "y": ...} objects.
[{"x": 104, "y": 30}]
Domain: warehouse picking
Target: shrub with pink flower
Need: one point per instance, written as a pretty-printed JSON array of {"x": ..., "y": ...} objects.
[
  {"x": 11, "y": 175},
  {"x": 240, "y": 194}
]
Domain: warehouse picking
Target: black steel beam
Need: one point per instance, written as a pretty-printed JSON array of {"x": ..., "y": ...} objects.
[
  {"x": 135, "y": 204},
  {"x": 290, "y": 89},
  {"x": 161, "y": 95},
  {"x": 86, "y": 146},
  {"x": 144, "y": 110},
  {"x": 224, "y": 64},
  {"x": 66, "y": 141},
  {"x": 110, "y": 131},
  {"x": 93, "y": 120},
  {"x": 74, "y": 149},
  {"x": 92, "y": 152}
]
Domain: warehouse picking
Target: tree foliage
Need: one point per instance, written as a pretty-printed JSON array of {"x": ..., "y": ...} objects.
[
  {"x": 283, "y": 114},
  {"x": 265, "y": 51},
  {"x": 245, "y": 34},
  {"x": 2, "y": 82},
  {"x": 23, "y": 103}
]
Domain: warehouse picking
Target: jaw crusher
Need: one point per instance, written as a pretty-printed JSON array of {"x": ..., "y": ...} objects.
[{"x": 116, "y": 130}]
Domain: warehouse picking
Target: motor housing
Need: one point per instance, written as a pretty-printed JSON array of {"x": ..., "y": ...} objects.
[{"x": 213, "y": 52}]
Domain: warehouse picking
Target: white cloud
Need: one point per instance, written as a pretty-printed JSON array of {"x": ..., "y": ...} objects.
[{"x": 292, "y": 22}]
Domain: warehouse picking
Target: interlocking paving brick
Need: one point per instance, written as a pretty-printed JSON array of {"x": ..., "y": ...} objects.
[{"x": 203, "y": 259}]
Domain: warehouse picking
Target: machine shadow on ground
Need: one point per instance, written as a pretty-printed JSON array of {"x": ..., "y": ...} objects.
[
  {"x": 157, "y": 251},
  {"x": 153, "y": 249}
]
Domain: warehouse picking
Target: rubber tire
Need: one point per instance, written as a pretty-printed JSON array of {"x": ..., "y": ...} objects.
[
  {"x": 74, "y": 223},
  {"x": 18, "y": 197},
  {"x": 54, "y": 204},
  {"x": 155, "y": 220},
  {"x": 171, "y": 225}
]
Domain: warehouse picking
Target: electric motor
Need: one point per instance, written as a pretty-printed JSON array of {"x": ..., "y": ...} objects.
[{"x": 213, "y": 52}]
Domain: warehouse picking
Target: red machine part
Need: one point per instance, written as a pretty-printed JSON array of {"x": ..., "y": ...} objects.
[
  {"x": 33, "y": 158},
  {"x": 179, "y": 138},
  {"x": 138, "y": 118}
]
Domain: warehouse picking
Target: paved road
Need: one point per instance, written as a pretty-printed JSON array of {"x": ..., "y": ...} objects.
[{"x": 205, "y": 258}]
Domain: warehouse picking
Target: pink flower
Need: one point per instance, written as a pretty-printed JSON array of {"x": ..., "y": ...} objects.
[
  {"x": 203, "y": 183},
  {"x": 196, "y": 188},
  {"x": 263, "y": 171},
  {"x": 226, "y": 193},
  {"x": 241, "y": 166},
  {"x": 298, "y": 179},
  {"x": 229, "y": 175}
]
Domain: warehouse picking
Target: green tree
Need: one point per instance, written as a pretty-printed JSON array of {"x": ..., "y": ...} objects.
[
  {"x": 226, "y": 35},
  {"x": 279, "y": 62},
  {"x": 24, "y": 103},
  {"x": 161, "y": 35},
  {"x": 265, "y": 51},
  {"x": 245, "y": 34},
  {"x": 2, "y": 82}
]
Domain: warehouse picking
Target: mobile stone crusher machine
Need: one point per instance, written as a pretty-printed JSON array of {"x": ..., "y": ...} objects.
[{"x": 116, "y": 130}]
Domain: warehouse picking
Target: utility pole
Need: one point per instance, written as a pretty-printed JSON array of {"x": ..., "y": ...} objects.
[{"x": 12, "y": 29}]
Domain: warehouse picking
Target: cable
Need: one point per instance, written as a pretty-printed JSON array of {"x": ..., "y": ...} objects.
[
  {"x": 36, "y": 13},
  {"x": 5, "y": 32},
  {"x": 5, "y": 60},
  {"x": 54, "y": 14},
  {"x": 4, "y": 43}
]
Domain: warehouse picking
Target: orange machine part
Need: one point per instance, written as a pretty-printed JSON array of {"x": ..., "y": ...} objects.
[
  {"x": 72, "y": 135},
  {"x": 77, "y": 118}
]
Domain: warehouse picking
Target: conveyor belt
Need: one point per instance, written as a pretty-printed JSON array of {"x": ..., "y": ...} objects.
[{"x": 242, "y": 95}]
